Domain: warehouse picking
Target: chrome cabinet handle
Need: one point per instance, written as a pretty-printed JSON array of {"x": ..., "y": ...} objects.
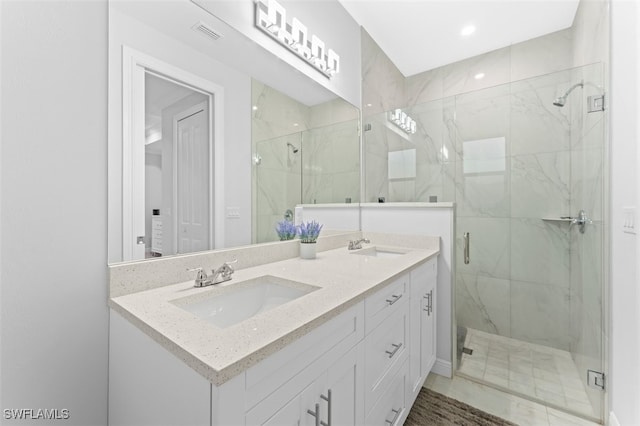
[
  {"x": 428, "y": 307},
  {"x": 430, "y": 301},
  {"x": 316, "y": 414},
  {"x": 328, "y": 399},
  {"x": 395, "y": 416},
  {"x": 395, "y": 298},
  {"x": 396, "y": 348},
  {"x": 466, "y": 248}
]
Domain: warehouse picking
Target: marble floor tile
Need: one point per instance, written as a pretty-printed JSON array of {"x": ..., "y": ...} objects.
[{"x": 543, "y": 374}]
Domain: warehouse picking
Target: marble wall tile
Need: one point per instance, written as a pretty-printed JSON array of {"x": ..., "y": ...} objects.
[
  {"x": 382, "y": 82},
  {"x": 483, "y": 194},
  {"x": 401, "y": 190},
  {"x": 482, "y": 303},
  {"x": 276, "y": 154},
  {"x": 591, "y": 32},
  {"x": 424, "y": 87},
  {"x": 482, "y": 114},
  {"x": 542, "y": 55},
  {"x": 459, "y": 77},
  {"x": 540, "y": 185},
  {"x": 429, "y": 182},
  {"x": 376, "y": 173},
  {"x": 536, "y": 124},
  {"x": 540, "y": 314},
  {"x": 275, "y": 114},
  {"x": 540, "y": 252},
  {"x": 587, "y": 183},
  {"x": 489, "y": 246},
  {"x": 335, "y": 111}
]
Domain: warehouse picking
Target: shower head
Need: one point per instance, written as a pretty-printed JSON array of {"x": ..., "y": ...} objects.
[
  {"x": 293, "y": 148},
  {"x": 561, "y": 100}
]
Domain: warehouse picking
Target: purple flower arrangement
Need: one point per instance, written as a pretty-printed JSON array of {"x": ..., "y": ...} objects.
[{"x": 308, "y": 231}]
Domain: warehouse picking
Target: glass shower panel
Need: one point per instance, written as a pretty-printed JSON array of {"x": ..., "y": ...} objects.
[
  {"x": 331, "y": 164},
  {"x": 426, "y": 169},
  {"x": 528, "y": 305},
  {"x": 278, "y": 169},
  {"x": 588, "y": 173}
]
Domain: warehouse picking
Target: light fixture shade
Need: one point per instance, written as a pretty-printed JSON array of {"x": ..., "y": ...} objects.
[{"x": 271, "y": 18}]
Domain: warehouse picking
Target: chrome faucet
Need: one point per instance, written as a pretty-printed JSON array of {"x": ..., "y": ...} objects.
[
  {"x": 357, "y": 244},
  {"x": 220, "y": 275}
]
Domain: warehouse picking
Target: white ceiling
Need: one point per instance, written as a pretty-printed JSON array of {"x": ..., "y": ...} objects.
[{"x": 419, "y": 35}]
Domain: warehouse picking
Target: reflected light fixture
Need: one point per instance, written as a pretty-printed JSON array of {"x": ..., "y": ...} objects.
[
  {"x": 271, "y": 18},
  {"x": 403, "y": 121}
]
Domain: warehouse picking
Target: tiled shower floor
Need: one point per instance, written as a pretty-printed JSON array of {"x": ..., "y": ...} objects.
[{"x": 533, "y": 371}]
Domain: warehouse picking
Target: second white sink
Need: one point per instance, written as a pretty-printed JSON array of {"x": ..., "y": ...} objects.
[
  {"x": 234, "y": 303},
  {"x": 379, "y": 252}
]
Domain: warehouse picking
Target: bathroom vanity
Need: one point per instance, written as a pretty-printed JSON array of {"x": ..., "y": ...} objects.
[{"x": 347, "y": 338}]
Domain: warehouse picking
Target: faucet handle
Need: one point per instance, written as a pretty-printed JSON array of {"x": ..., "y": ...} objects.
[
  {"x": 201, "y": 276},
  {"x": 226, "y": 269},
  {"x": 201, "y": 273}
]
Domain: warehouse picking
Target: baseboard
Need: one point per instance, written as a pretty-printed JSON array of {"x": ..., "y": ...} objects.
[
  {"x": 442, "y": 368},
  {"x": 613, "y": 420}
]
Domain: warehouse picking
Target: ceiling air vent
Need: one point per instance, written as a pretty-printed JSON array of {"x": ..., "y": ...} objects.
[{"x": 203, "y": 28}]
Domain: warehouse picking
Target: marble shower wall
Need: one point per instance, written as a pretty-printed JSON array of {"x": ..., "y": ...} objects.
[
  {"x": 325, "y": 168},
  {"x": 518, "y": 283}
]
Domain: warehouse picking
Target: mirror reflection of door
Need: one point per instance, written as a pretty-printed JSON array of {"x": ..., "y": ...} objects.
[{"x": 177, "y": 168}]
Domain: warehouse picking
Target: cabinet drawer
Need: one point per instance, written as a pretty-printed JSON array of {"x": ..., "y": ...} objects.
[
  {"x": 336, "y": 336},
  {"x": 386, "y": 301},
  {"x": 385, "y": 351},
  {"x": 390, "y": 410}
]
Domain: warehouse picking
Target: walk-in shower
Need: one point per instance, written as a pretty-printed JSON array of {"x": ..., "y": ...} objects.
[{"x": 526, "y": 178}]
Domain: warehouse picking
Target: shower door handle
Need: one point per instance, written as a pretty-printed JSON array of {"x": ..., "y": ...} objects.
[{"x": 466, "y": 248}]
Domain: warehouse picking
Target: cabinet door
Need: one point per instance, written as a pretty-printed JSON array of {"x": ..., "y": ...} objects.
[
  {"x": 428, "y": 329},
  {"x": 289, "y": 415},
  {"x": 342, "y": 398}
]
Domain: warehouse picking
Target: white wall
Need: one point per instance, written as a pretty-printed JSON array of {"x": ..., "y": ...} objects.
[
  {"x": 53, "y": 170},
  {"x": 624, "y": 389},
  {"x": 124, "y": 30}
]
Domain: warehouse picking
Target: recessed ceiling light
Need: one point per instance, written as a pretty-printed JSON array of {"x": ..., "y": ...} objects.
[
  {"x": 479, "y": 76},
  {"x": 295, "y": 124},
  {"x": 467, "y": 30},
  {"x": 255, "y": 107}
]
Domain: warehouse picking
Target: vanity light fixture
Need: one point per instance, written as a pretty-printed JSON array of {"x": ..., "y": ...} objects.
[
  {"x": 403, "y": 121},
  {"x": 271, "y": 18},
  {"x": 467, "y": 30}
]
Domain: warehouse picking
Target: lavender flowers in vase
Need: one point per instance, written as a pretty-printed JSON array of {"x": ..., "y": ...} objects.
[
  {"x": 308, "y": 233},
  {"x": 286, "y": 230}
]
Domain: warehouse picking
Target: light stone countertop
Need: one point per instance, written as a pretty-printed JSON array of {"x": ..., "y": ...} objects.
[{"x": 343, "y": 279}]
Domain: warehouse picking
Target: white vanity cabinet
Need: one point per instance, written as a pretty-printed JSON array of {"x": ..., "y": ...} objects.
[
  {"x": 332, "y": 398},
  {"x": 422, "y": 354},
  {"x": 364, "y": 365}
]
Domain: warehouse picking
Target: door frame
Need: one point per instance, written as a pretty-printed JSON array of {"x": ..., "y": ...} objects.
[
  {"x": 174, "y": 126},
  {"x": 134, "y": 65}
]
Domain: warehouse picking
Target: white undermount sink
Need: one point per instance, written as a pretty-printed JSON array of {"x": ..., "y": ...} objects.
[
  {"x": 379, "y": 252},
  {"x": 236, "y": 302}
]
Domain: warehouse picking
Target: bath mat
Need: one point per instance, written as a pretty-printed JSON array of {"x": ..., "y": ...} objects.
[{"x": 434, "y": 409}]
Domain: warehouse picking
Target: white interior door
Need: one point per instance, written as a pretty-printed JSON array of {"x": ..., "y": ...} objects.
[{"x": 192, "y": 179}]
